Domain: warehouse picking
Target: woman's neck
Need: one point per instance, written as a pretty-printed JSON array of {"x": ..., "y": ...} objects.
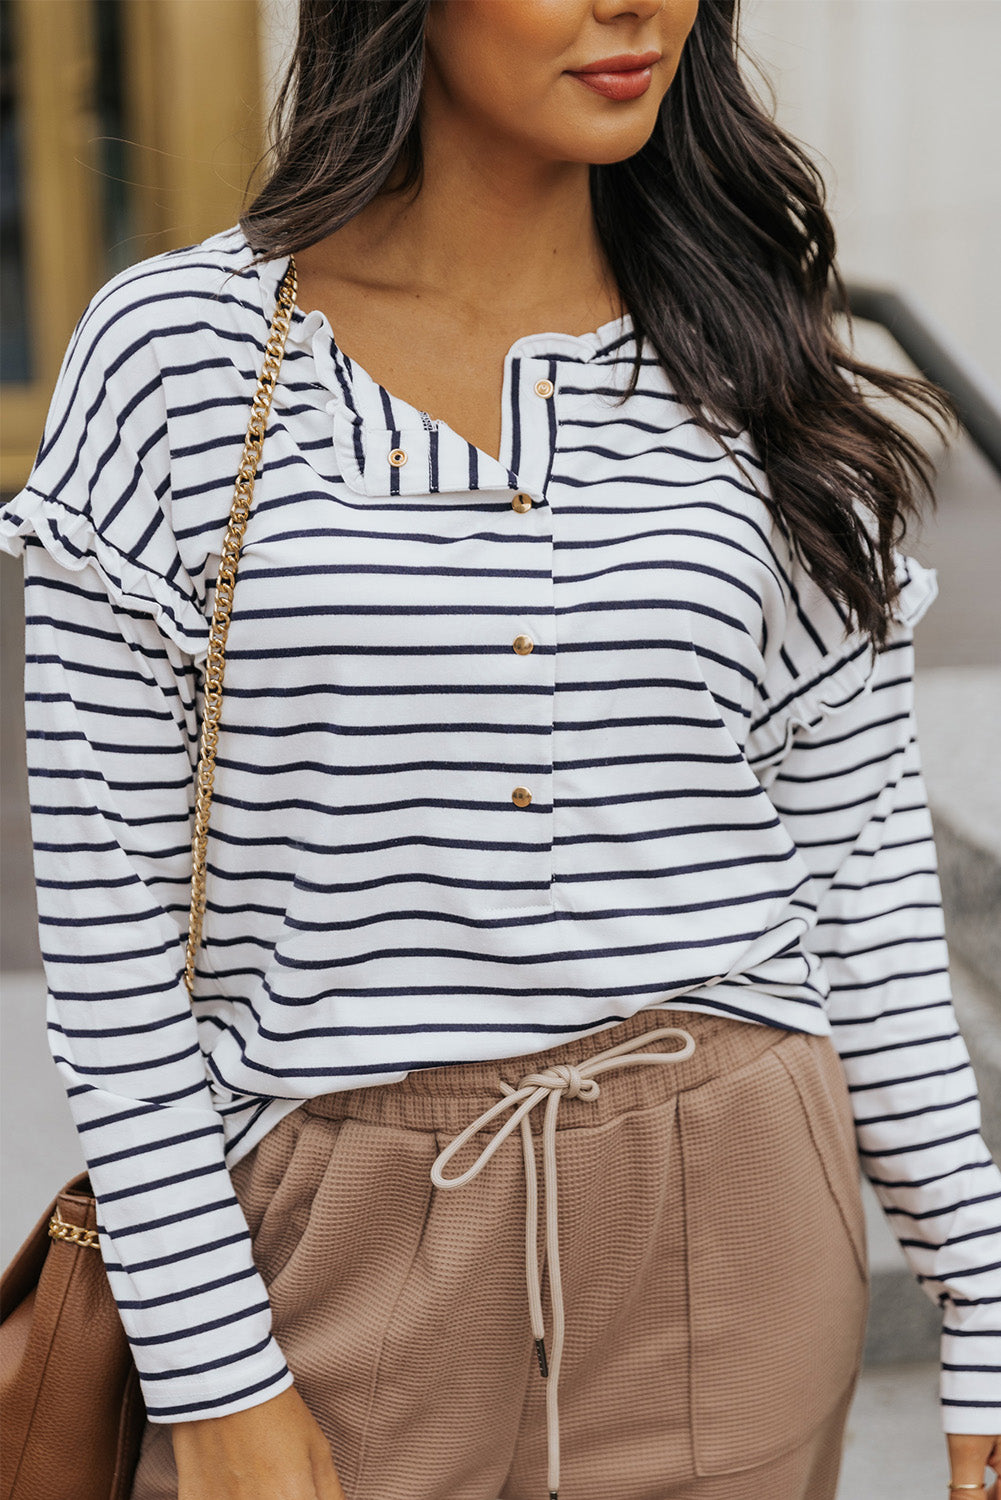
[{"x": 487, "y": 228}]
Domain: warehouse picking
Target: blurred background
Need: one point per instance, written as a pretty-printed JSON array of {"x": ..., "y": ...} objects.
[{"x": 130, "y": 127}]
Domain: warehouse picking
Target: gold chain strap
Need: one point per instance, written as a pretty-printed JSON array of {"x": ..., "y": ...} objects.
[
  {"x": 215, "y": 664},
  {"x": 62, "y": 1229}
]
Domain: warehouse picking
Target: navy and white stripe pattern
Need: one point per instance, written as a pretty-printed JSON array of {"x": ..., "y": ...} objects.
[{"x": 726, "y": 813}]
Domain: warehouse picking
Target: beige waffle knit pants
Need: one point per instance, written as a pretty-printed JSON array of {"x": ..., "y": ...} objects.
[{"x": 712, "y": 1255}]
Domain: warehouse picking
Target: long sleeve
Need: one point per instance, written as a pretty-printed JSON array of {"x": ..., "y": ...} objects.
[
  {"x": 113, "y": 627},
  {"x": 850, "y": 790}
]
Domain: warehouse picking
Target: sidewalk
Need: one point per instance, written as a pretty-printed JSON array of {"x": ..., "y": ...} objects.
[{"x": 894, "y": 1446}]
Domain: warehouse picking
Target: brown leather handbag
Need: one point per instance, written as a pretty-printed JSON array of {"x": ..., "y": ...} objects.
[
  {"x": 66, "y": 1373},
  {"x": 71, "y": 1406}
]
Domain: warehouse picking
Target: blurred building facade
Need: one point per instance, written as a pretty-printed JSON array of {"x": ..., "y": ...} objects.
[{"x": 129, "y": 127}]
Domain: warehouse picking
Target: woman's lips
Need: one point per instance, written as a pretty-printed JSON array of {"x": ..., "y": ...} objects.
[
  {"x": 619, "y": 77},
  {"x": 618, "y": 85}
]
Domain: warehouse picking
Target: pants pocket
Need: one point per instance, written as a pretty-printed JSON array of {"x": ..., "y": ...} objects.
[
  {"x": 356, "y": 1197},
  {"x": 276, "y": 1185},
  {"x": 815, "y": 1068},
  {"x": 775, "y": 1240}
]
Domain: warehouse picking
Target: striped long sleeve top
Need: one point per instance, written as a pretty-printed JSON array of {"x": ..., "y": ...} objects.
[{"x": 512, "y": 748}]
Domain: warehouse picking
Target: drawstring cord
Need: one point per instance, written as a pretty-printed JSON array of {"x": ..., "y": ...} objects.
[{"x": 552, "y": 1085}]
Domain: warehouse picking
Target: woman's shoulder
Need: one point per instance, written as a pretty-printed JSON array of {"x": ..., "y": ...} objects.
[
  {"x": 212, "y": 286},
  {"x": 151, "y": 336},
  {"x": 815, "y": 664},
  {"x": 160, "y": 347}
]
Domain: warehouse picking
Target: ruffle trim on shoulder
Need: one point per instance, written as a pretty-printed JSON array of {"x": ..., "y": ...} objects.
[
  {"x": 839, "y": 681},
  {"x": 70, "y": 539},
  {"x": 840, "y": 678},
  {"x": 918, "y": 589}
]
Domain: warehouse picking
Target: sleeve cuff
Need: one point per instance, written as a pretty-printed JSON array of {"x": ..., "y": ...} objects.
[{"x": 192, "y": 1396}]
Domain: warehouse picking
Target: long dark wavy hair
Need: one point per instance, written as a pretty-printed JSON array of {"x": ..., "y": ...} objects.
[{"x": 718, "y": 239}]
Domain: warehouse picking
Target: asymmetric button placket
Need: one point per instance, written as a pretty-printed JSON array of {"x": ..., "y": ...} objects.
[
  {"x": 388, "y": 450},
  {"x": 529, "y": 396}
]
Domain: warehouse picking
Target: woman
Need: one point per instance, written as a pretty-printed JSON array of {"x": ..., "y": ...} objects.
[{"x": 568, "y": 697}]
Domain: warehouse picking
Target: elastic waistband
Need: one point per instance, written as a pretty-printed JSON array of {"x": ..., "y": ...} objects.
[{"x": 447, "y": 1098}]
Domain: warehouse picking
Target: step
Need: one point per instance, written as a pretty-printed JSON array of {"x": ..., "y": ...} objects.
[{"x": 959, "y": 730}]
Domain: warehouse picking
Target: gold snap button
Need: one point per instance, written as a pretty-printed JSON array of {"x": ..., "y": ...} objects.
[
  {"x": 397, "y": 458},
  {"x": 522, "y": 502},
  {"x": 521, "y": 796},
  {"x": 544, "y": 388},
  {"x": 523, "y": 644}
]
